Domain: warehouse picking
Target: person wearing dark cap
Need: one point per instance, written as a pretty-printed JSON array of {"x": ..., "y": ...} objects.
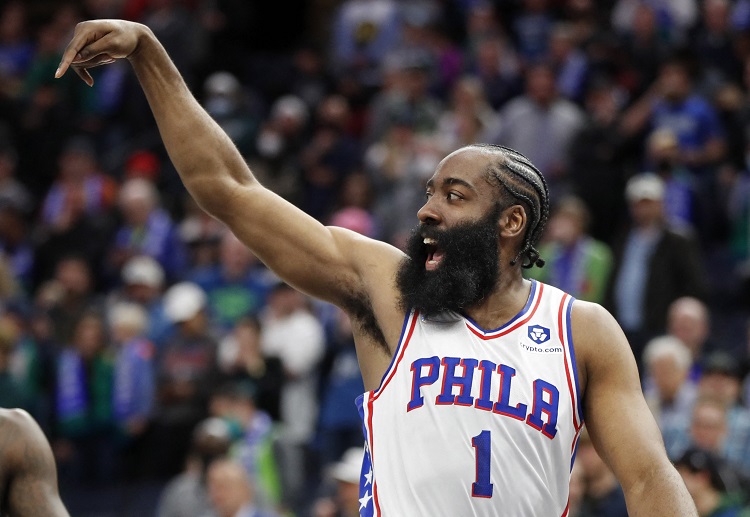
[
  {"x": 715, "y": 488},
  {"x": 721, "y": 381}
]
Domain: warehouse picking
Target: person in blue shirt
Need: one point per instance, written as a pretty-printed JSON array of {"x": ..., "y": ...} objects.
[{"x": 236, "y": 287}]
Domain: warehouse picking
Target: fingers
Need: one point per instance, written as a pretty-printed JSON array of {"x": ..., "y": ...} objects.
[{"x": 89, "y": 40}]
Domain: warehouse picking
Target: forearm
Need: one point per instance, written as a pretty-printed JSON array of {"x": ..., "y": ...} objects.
[
  {"x": 202, "y": 153},
  {"x": 662, "y": 493}
]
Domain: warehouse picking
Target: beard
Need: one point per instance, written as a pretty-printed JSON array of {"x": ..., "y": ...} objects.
[{"x": 466, "y": 273}]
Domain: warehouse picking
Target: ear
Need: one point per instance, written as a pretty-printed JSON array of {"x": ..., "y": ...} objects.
[{"x": 512, "y": 222}]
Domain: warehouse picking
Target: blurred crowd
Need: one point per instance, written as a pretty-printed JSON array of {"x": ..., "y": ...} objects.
[{"x": 176, "y": 376}]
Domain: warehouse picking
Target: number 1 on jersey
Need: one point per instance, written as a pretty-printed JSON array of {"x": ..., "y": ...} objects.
[{"x": 482, "y": 486}]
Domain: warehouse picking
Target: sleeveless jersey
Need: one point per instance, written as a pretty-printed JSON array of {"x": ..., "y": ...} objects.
[{"x": 474, "y": 422}]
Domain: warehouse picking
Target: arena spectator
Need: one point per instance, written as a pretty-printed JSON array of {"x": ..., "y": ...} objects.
[
  {"x": 241, "y": 360},
  {"x": 186, "y": 374},
  {"x": 575, "y": 262},
  {"x": 291, "y": 333},
  {"x": 603, "y": 496},
  {"x": 689, "y": 321},
  {"x": 713, "y": 486},
  {"x": 231, "y": 491},
  {"x": 147, "y": 229},
  {"x": 654, "y": 265},
  {"x": 186, "y": 495},
  {"x": 346, "y": 474},
  {"x": 236, "y": 287}
]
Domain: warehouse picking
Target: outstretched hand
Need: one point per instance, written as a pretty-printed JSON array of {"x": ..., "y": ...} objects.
[{"x": 99, "y": 42}]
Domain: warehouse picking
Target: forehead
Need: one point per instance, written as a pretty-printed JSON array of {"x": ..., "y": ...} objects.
[{"x": 468, "y": 165}]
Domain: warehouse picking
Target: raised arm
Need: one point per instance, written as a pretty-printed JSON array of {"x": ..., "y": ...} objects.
[
  {"x": 30, "y": 468},
  {"x": 328, "y": 263},
  {"x": 619, "y": 422}
]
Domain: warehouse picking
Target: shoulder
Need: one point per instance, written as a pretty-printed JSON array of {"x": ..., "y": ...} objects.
[
  {"x": 19, "y": 433},
  {"x": 599, "y": 341}
]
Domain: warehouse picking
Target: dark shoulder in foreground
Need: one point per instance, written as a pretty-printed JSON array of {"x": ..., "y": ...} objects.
[{"x": 28, "y": 476}]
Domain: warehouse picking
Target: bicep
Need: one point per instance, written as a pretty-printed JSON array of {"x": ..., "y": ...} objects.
[
  {"x": 328, "y": 263},
  {"x": 620, "y": 423}
]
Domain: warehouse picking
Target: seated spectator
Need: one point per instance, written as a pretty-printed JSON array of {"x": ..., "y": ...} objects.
[
  {"x": 134, "y": 384},
  {"x": 78, "y": 170},
  {"x": 721, "y": 381},
  {"x": 254, "y": 441},
  {"x": 574, "y": 261},
  {"x": 242, "y": 360},
  {"x": 689, "y": 321},
  {"x": 603, "y": 496},
  {"x": 84, "y": 405},
  {"x": 13, "y": 194},
  {"x": 663, "y": 155},
  {"x": 294, "y": 335},
  {"x": 718, "y": 422},
  {"x": 185, "y": 376},
  {"x": 715, "y": 489},
  {"x": 201, "y": 235},
  {"x": 668, "y": 392},
  {"x": 14, "y": 392},
  {"x": 347, "y": 474},
  {"x": 68, "y": 296},
  {"x": 146, "y": 230},
  {"x": 186, "y": 495},
  {"x": 231, "y": 491},
  {"x": 236, "y": 287},
  {"x": 339, "y": 423},
  {"x": 17, "y": 247},
  {"x": 142, "y": 284},
  {"x": 541, "y": 114}
]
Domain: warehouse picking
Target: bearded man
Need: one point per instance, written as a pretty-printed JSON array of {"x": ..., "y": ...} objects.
[{"x": 478, "y": 381}]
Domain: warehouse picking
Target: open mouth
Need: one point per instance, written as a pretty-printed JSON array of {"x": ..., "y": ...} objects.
[{"x": 434, "y": 254}]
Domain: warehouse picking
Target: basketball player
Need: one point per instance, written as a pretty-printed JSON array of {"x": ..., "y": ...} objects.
[
  {"x": 28, "y": 478},
  {"x": 478, "y": 380}
]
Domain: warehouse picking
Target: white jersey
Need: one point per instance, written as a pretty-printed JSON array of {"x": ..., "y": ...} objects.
[{"x": 474, "y": 422}]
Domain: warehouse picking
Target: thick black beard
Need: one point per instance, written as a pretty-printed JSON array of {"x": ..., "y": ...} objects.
[{"x": 466, "y": 274}]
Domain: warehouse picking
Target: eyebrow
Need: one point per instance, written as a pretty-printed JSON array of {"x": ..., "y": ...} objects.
[{"x": 452, "y": 181}]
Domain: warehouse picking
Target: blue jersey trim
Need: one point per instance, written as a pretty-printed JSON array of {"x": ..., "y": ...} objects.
[
  {"x": 518, "y": 316},
  {"x": 398, "y": 348},
  {"x": 573, "y": 364}
]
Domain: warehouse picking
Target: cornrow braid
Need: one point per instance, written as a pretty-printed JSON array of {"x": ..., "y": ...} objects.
[{"x": 522, "y": 180}]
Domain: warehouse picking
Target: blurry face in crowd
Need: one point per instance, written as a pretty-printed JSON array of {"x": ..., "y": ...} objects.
[
  {"x": 668, "y": 376},
  {"x": 674, "y": 82},
  {"x": 89, "y": 336},
  {"x": 688, "y": 323},
  {"x": 708, "y": 427},
  {"x": 566, "y": 227},
  {"x": 248, "y": 340},
  {"x": 540, "y": 85},
  {"x": 228, "y": 488},
  {"x": 593, "y": 465},
  {"x": 235, "y": 256},
  {"x": 74, "y": 276},
  {"x": 719, "y": 387},
  {"x": 647, "y": 212}
]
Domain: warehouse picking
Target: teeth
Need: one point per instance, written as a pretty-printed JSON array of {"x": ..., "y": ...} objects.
[{"x": 429, "y": 241}]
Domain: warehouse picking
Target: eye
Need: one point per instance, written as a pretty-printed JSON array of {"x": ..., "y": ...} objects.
[
  {"x": 427, "y": 195},
  {"x": 454, "y": 196}
]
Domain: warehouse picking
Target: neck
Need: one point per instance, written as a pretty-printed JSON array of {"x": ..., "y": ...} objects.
[{"x": 505, "y": 301}]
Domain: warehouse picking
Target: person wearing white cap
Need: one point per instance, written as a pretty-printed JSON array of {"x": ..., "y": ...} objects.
[
  {"x": 654, "y": 265},
  {"x": 186, "y": 374},
  {"x": 143, "y": 280},
  {"x": 347, "y": 473}
]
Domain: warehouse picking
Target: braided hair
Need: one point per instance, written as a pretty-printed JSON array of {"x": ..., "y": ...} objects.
[{"x": 523, "y": 183}]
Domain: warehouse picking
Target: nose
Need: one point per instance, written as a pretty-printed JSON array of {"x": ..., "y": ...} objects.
[{"x": 428, "y": 215}]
